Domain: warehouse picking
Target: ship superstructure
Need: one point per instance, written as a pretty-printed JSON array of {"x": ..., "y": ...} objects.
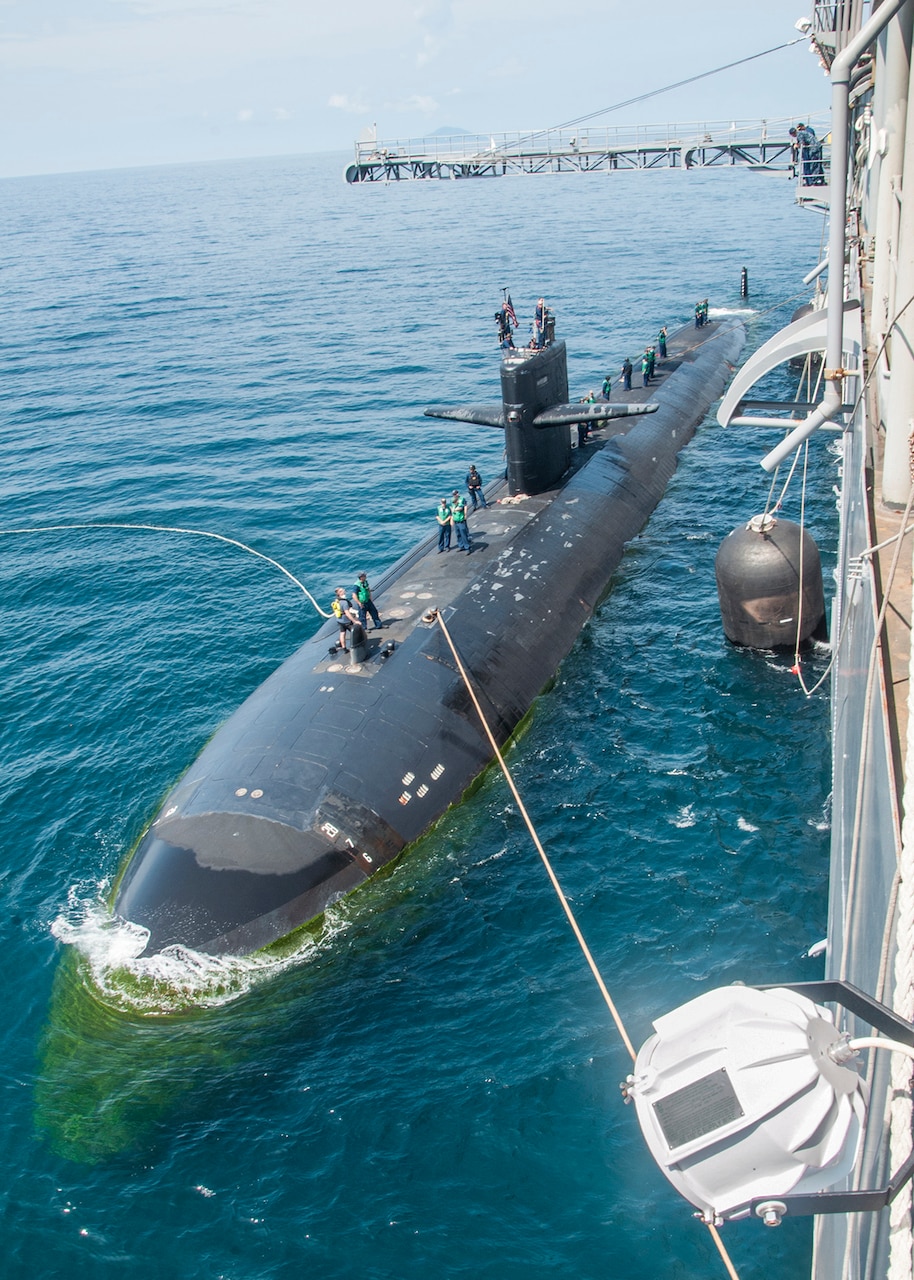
[{"x": 865, "y": 332}]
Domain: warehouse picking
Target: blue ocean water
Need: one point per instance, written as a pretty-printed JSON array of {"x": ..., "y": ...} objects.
[{"x": 430, "y": 1088}]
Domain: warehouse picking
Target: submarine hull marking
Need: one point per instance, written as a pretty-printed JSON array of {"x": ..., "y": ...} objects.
[{"x": 405, "y": 714}]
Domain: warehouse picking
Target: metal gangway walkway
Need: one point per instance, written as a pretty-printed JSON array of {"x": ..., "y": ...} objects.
[{"x": 763, "y": 144}]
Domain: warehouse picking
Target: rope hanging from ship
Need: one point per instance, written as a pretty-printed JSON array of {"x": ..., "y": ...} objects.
[
  {"x": 654, "y": 93},
  {"x": 161, "y": 528},
  {"x": 553, "y": 878}
]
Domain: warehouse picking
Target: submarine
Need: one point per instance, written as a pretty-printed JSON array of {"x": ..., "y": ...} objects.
[{"x": 329, "y": 770}]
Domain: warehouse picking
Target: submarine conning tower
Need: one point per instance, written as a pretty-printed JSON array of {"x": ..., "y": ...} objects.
[
  {"x": 535, "y": 416},
  {"x": 531, "y": 381}
]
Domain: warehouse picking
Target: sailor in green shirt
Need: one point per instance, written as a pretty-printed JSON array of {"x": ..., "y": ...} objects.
[
  {"x": 443, "y": 516},
  {"x": 459, "y": 521},
  {"x": 366, "y": 605}
]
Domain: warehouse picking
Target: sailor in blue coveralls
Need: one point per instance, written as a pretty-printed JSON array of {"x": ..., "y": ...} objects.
[{"x": 474, "y": 485}]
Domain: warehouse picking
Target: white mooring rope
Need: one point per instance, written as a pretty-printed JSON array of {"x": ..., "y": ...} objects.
[
  {"x": 566, "y": 907},
  {"x": 162, "y": 528}
]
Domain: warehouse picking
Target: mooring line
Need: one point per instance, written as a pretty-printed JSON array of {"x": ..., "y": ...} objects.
[
  {"x": 162, "y": 528},
  {"x": 620, "y": 1027},
  {"x": 722, "y": 1250},
  {"x": 536, "y": 840}
]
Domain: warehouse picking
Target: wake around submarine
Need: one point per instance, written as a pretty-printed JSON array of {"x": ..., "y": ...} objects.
[{"x": 328, "y": 771}]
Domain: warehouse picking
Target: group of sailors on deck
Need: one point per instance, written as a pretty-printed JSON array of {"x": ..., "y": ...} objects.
[
  {"x": 354, "y": 611},
  {"x": 451, "y": 515}
]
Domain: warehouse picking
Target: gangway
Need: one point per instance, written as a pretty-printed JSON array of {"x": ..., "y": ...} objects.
[{"x": 760, "y": 144}]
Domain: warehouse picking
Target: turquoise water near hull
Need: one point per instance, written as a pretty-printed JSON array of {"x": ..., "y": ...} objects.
[{"x": 430, "y": 1087}]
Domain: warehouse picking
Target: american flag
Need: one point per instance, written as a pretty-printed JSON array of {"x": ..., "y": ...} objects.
[{"x": 509, "y": 310}]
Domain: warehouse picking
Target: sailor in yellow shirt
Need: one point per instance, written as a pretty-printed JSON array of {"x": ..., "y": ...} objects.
[{"x": 345, "y": 614}]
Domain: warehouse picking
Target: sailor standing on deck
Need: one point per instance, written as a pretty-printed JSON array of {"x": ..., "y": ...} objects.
[
  {"x": 645, "y": 369},
  {"x": 661, "y": 341},
  {"x": 626, "y": 378},
  {"x": 364, "y": 603},
  {"x": 474, "y": 485},
  {"x": 346, "y": 616},
  {"x": 459, "y": 521},
  {"x": 443, "y": 516}
]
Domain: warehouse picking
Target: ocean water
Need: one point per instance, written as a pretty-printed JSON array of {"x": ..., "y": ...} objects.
[{"x": 430, "y": 1086}]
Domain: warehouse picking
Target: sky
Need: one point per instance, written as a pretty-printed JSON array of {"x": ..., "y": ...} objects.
[{"x": 100, "y": 84}]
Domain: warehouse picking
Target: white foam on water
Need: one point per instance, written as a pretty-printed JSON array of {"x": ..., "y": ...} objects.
[
  {"x": 175, "y": 978},
  {"x": 745, "y": 825},
  {"x": 731, "y": 311},
  {"x": 685, "y": 817}
]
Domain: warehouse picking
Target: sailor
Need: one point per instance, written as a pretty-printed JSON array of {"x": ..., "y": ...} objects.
[
  {"x": 626, "y": 378},
  {"x": 503, "y": 321},
  {"x": 365, "y": 604},
  {"x": 652, "y": 356},
  {"x": 346, "y": 616},
  {"x": 661, "y": 341},
  {"x": 704, "y": 311},
  {"x": 474, "y": 486},
  {"x": 811, "y": 153},
  {"x": 608, "y": 387},
  {"x": 583, "y": 428},
  {"x": 443, "y": 516},
  {"x": 539, "y": 323},
  {"x": 459, "y": 521},
  {"x": 645, "y": 369},
  {"x": 698, "y": 320}
]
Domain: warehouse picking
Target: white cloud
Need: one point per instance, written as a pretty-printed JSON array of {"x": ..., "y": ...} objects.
[
  {"x": 431, "y": 47},
  {"x": 146, "y": 7},
  {"x": 415, "y": 102},
  {"x": 343, "y": 102},
  {"x": 245, "y": 114}
]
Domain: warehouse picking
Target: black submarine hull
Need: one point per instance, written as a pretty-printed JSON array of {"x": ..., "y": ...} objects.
[{"x": 326, "y": 772}]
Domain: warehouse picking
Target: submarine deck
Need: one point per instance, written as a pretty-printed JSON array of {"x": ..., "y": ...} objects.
[{"x": 426, "y": 579}]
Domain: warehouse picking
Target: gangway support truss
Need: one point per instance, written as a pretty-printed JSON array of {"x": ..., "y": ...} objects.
[{"x": 760, "y": 144}]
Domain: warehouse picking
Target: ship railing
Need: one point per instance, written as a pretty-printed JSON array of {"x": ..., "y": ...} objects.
[
  {"x": 834, "y": 25},
  {"x": 812, "y": 178}
]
